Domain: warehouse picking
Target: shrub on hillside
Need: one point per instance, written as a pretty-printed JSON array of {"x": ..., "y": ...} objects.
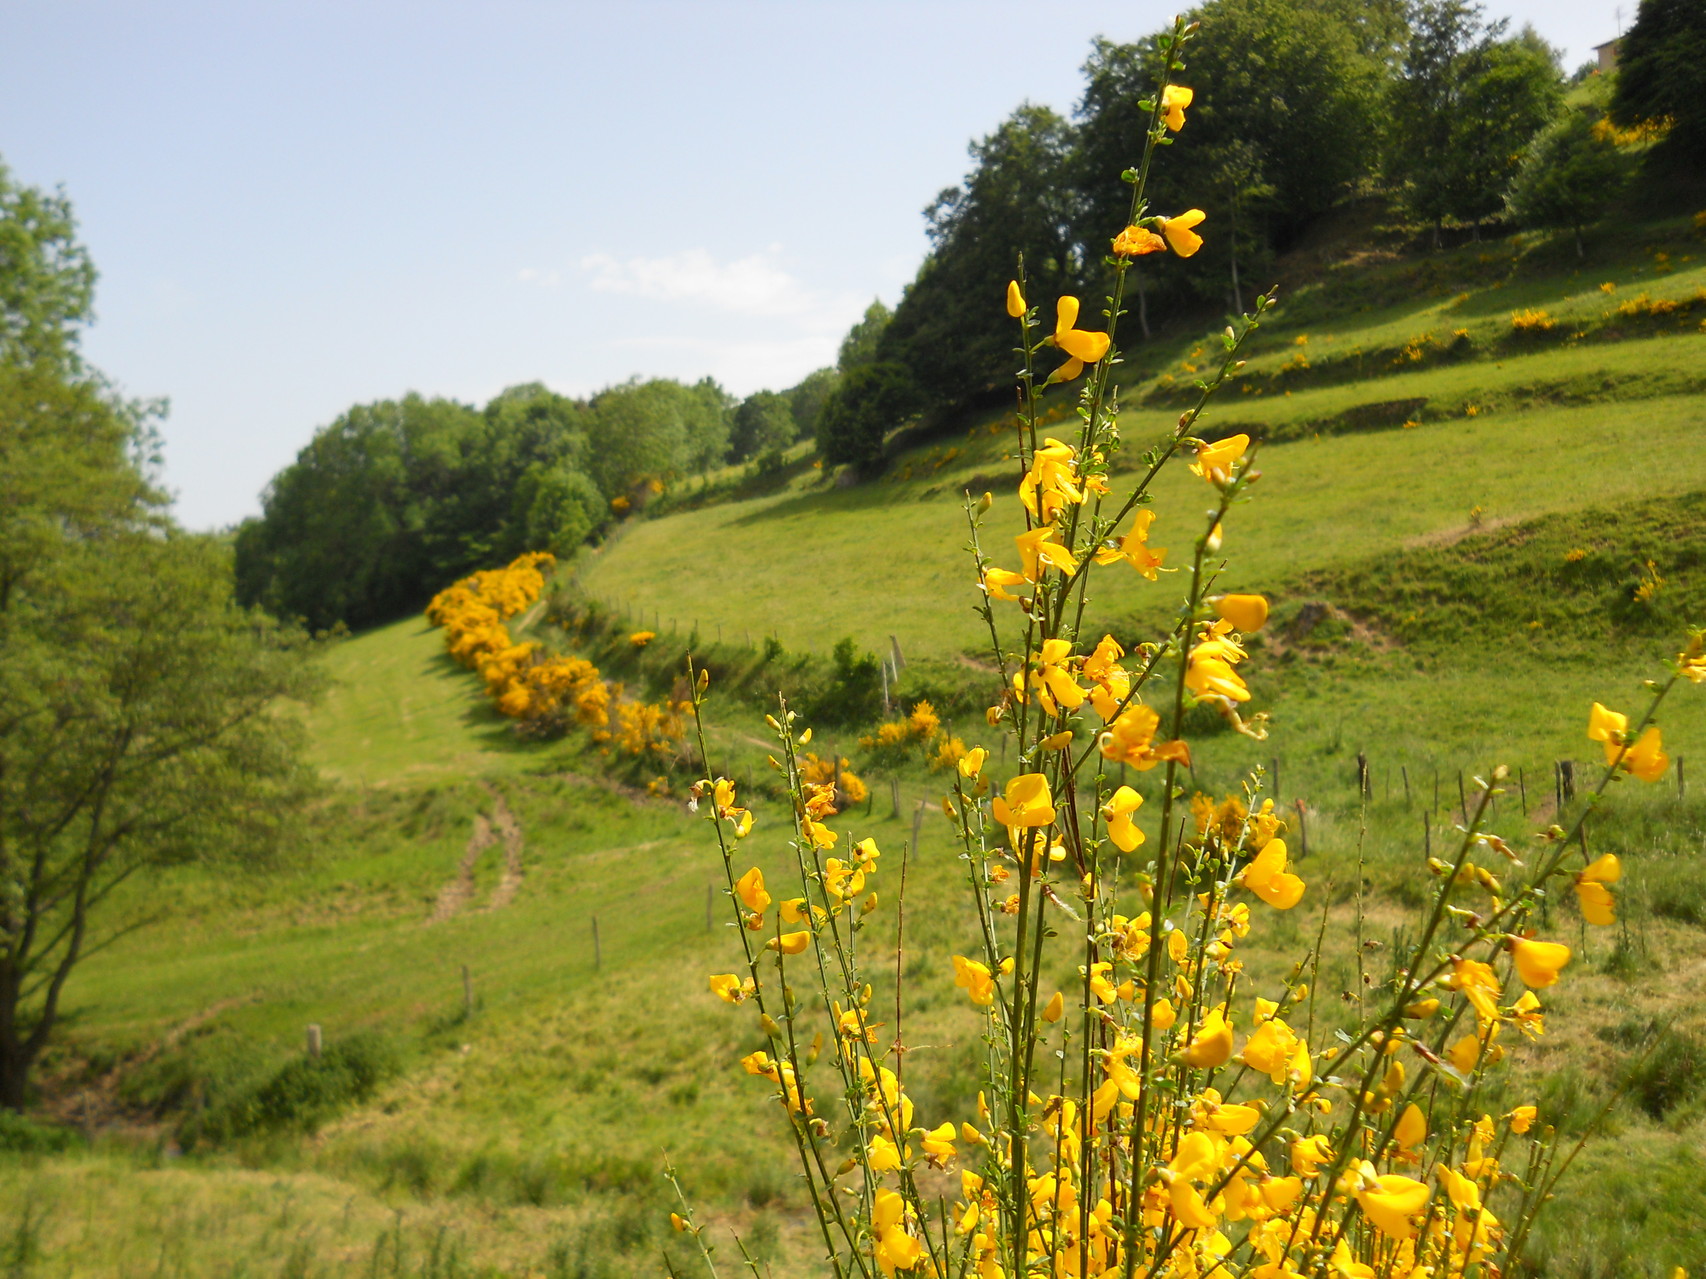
[
  {"x": 871, "y": 401},
  {"x": 305, "y": 1092}
]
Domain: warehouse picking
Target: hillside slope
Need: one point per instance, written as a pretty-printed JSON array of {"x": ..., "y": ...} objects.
[{"x": 515, "y": 941}]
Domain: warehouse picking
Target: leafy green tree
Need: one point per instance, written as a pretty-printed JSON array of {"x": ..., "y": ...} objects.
[
  {"x": 377, "y": 512},
  {"x": 870, "y": 402},
  {"x": 1464, "y": 105},
  {"x": 708, "y": 415},
  {"x": 557, "y": 508},
  {"x": 860, "y": 344},
  {"x": 396, "y": 499},
  {"x": 1285, "y": 120},
  {"x": 1425, "y": 105},
  {"x": 764, "y": 420},
  {"x": 47, "y": 282},
  {"x": 140, "y": 730},
  {"x": 139, "y": 721},
  {"x": 1661, "y": 73},
  {"x": 949, "y": 328},
  {"x": 1511, "y": 89},
  {"x": 808, "y": 398},
  {"x": 1234, "y": 172},
  {"x": 637, "y": 432},
  {"x": 1570, "y": 173}
]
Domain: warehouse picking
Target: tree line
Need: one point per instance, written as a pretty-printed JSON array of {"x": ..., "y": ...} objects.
[
  {"x": 395, "y": 499},
  {"x": 1301, "y": 106}
]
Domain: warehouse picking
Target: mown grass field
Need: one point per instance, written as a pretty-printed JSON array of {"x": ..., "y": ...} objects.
[{"x": 523, "y": 1134}]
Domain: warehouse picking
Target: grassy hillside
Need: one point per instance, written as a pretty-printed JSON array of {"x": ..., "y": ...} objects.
[
  {"x": 1395, "y": 454},
  {"x": 1431, "y": 612}
]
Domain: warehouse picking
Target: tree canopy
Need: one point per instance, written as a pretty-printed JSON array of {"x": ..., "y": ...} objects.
[
  {"x": 1661, "y": 77},
  {"x": 394, "y": 499},
  {"x": 949, "y": 330},
  {"x": 1569, "y": 174},
  {"x": 138, "y": 701}
]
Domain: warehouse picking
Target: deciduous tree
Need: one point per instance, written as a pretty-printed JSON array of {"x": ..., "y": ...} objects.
[
  {"x": 1661, "y": 73},
  {"x": 139, "y": 722}
]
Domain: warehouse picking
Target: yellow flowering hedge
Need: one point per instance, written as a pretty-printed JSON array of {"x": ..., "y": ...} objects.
[
  {"x": 1169, "y": 1113},
  {"x": 546, "y": 692}
]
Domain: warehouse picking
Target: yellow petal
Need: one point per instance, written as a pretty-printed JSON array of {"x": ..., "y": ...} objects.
[
  {"x": 1538, "y": 962},
  {"x": 1178, "y": 234},
  {"x": 1081, "y": 344},
  {"x": 1246, "y": 612},
  {"x": 1598, "y": 906},
  {"x": 1015, "y": 300},
  {"x": 1412, "y": 1129},
  {"x": 1213, "y": 1043},
  {"x": 750, "y": 886}
]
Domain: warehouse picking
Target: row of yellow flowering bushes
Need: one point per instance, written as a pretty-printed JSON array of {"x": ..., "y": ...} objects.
[
  {"x": 545, "y": 692},
  {"x": 1170, "y": 1112}
]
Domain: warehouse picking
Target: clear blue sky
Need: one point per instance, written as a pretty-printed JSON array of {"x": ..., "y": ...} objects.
[{"x": 299, "y": 206}]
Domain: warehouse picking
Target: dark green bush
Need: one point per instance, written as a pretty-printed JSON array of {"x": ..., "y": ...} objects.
[
  {"x": 22, "y": 1135},
  {"x": 306, "y": 1091},
  {"x": 1670, "y": 1076}
]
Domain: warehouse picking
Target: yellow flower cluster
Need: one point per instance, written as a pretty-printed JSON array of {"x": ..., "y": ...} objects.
[
  {"x": 1170, "y": 1113},
  {"x": 819, "y": 771},
  {"x": 543, "y": 690},
  {"x": 922, "y": 727},
  {"x": 1532, "y": 320}
]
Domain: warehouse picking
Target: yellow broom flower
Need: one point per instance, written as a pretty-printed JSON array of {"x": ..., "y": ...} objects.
[{"x": 1178, "y": 233}]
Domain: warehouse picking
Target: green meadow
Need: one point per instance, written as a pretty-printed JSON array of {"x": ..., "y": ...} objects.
[{"x": 504, "y": 944}]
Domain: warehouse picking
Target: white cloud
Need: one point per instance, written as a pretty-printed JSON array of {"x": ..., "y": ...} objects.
[
  {"x": 543, "y": 279},
  {"x": 742, "y": 366},
  {"x": 753, "y": 285}
]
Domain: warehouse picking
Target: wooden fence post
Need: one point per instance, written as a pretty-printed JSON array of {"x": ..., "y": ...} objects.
[
  {"x": 1362, "y": 776},
  {"x": 1522, "y": 790},
  {"x": 314, "y": 1040},
  {"x": 710, "y": 896},
  {"x": 597, "y": 950},
  {"x": 1680, "y": 791},
  {"x": 894, "y": 795},
  {"x": 1302, "y": 831},
  {"x": 1406, "y": 774},
  {"x": 1567, "y": 778},
  {"x": 1462, "y": 797},
  {"x": 1427, "y": 836}
]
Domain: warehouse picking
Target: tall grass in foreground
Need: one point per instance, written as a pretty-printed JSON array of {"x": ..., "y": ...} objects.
[{"x": 1170, "y": 1113}]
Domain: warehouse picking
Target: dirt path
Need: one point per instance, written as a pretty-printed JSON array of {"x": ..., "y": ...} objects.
[
  {"x": 459, "y": 891},
  {"x": 509, "y": 831},
  {"x": 500, "y": 828}
]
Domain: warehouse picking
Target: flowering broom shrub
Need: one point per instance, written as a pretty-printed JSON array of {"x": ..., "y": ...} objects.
[
  {"x": 545, "y": 692},
  {"x": 1169, "y": 1113}
]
